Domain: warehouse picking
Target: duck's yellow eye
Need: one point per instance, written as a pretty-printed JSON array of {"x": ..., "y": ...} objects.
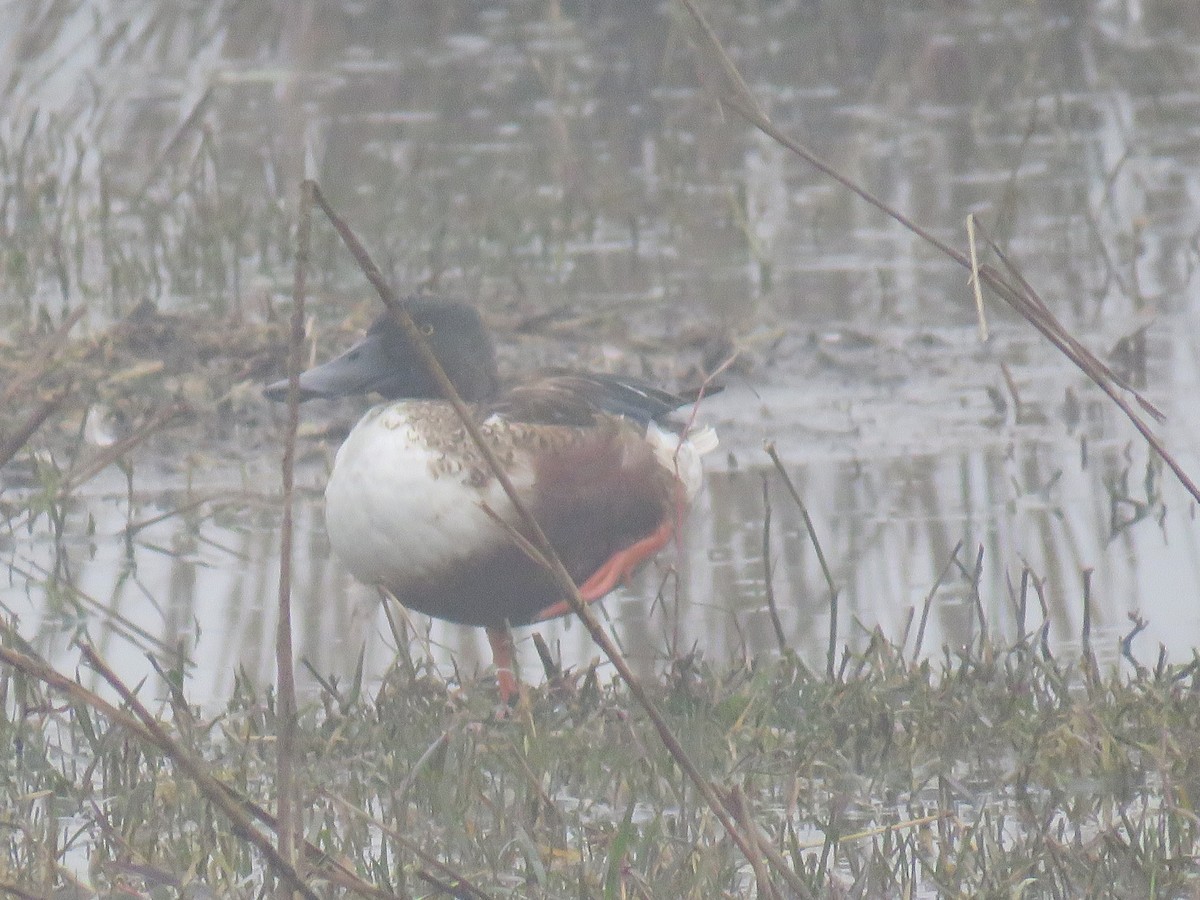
[{"x": 427, "y": 329}]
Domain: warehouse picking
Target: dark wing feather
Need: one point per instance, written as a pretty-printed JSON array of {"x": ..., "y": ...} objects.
[{"x": 577, "y": 399}]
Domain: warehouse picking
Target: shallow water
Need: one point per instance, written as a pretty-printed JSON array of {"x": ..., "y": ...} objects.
[{"x": 564, "y": 161}]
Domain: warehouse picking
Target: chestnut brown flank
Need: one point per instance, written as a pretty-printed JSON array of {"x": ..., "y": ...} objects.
[{"x": 593, "y": 496}]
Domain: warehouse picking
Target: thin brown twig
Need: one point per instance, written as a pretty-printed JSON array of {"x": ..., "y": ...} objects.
[
  {"x": 1091, "y": 666},
  {"x": 550, "y": 666},
  {"x": 834, "y": 593},
  {"x": 522, "y": 542},
  {"x": 114, "y": 452},
  {"x": 1029, "y": 303},
  {"x": 213, "y": 789},
  {"x": 175, "y": 140},
  {"x": 976, "y": 574},
  {"x": 1023, "y": 603},
  {"x": 39, "y": 670},
  {"x": 537, "y": 537},
  {"x": 920, "y": 639},
  {"x": 772, "y": 452},
  {"x": 741, "y": 809},
  {"x": 46, "y": 353},
  {"x": 768, "y": 581},
  {"x": 462, "y": 884},
  {"x": 1095, "y": 370},
  {"x": 219, "y": 499},
  {"x": 705, "y": 387},
  {"x": 774, "y": 857},
  {"x": 13, "y": 890},
  {"x": 1020, "y": 297},
  {"x": 285, "y": 784},
  {"x": 127, "y": 628},
  {"x": 11, "y": 446}
]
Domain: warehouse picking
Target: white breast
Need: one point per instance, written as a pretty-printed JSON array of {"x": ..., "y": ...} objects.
[
  {"x": 389, "y": 520},
  {"x": 401, "y": 511}
]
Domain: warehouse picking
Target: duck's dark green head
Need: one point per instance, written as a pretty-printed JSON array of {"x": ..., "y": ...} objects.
[{"x": 384, "y": 362}]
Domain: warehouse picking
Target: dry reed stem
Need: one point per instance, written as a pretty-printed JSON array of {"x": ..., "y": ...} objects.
[
  {"x": 537, "y": 537},
  {"x": 768, "y": 581},
  {"x": 190, "y": 121},
  {"x": 150, "y": 731},
  {"x": 46, "y": 353},
  {"x": 130, "y": 627},
  {"x": 1017, "y": 293},
  {"x": 834, "y": 593},
  {"x": 13, "y": 890},
  {"x": 114, "y": 452},
  {"x": 920, "y": 639},
  {"x": 195, "y": 770},
  {"x": 285, "y": 673},
  {"x": 462, "y": 887},
  {"x": 225, "y": 797},
  {"x": 741, "y": 809},
  {"x": 763, "y": 842},
  {"x": 554, "y": 674},
  {"x": 400, "y": 794},
  {"x": 11, "y": 446},
  {"x": 976, "y": 575},
  {"x": 218, "y": 499},
  {"x": 976, "y": 290}
]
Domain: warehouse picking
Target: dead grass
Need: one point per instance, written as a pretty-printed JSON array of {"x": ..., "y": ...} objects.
[{"x": 996, "y": 771}]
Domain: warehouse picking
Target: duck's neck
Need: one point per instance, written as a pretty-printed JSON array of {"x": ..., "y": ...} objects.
[{"x": 477, "y": 384}]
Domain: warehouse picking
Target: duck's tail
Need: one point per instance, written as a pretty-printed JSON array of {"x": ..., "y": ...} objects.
[{"x": 680, "y": 453}]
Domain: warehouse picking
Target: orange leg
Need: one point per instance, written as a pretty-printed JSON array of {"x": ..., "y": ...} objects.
[
  {"x": 502, "y": 655},
  {"x": 616, "y": 569}
]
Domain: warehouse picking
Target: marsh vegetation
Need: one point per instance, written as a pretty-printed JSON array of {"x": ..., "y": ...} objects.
[{"x": 1000, "y": 700}]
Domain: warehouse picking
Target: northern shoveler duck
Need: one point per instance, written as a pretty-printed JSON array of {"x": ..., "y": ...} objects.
[{"x": 593, "y": 457}]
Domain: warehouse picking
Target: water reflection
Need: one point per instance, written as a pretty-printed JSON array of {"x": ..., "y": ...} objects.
[
  {"x": 1033, "y": 506},
  {"x": 563, "y": 164}
]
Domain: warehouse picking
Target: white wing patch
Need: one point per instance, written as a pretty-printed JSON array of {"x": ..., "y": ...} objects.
[{"x": 681, "y": 455}]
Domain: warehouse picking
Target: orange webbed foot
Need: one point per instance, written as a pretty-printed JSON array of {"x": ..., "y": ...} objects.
[{"x": 615, "y": 570}]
